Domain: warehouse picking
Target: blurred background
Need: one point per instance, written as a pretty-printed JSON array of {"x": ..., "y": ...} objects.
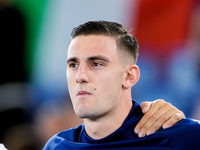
[{"x": 34, "y": 36}]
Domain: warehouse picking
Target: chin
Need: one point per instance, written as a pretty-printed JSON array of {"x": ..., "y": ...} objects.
[
  {"x": 82, "y": 113},
  {"x": 85, "y": 115}
]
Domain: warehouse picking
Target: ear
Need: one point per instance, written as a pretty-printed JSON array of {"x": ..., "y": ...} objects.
[{"x": 132, "y": 75}]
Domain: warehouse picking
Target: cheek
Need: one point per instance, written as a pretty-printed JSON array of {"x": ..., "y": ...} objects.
[
  {"x": 71, "y": 83},
  {"x": 70, "y": 77},
  {"x": 109, "y": 85}
]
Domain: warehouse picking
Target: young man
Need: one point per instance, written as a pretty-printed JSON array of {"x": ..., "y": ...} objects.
[{"x": 101, "y": 70}]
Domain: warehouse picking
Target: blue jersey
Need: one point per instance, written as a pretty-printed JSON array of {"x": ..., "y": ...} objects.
[{"x": 185, "y": 135}]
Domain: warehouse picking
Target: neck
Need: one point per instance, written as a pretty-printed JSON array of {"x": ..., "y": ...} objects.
[{"x": 104, "y": 126}]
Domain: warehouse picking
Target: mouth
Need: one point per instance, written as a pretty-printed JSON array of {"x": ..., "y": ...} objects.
[{"x": 83, "y": 93}]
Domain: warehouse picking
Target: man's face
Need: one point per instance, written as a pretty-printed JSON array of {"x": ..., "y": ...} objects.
[{"x": 95, "y": 74}]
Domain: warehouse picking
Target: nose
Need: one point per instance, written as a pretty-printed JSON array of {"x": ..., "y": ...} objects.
[{"x": 82, "y": 74}]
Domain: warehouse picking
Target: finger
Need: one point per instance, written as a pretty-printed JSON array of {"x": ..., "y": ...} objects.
[
  {"x": 143, "y": 120},
  {"x": 173, "y": 120},
  {"x": 145, "y": 106},
  {"x": 167, "y": 119},
  {"x": 163, "y": 119},
  {"x": 155, "y": 121},
  {"x": 146, "y": 117}
]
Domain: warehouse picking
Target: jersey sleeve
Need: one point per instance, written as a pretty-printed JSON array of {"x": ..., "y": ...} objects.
[{"x": 185, "y": 134}]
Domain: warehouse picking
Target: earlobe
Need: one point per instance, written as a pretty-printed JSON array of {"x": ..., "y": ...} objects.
[{"x": 132, "y": 76}]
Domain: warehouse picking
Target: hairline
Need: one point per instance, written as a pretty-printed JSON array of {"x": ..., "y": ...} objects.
[{"x": 122, "y": 51}]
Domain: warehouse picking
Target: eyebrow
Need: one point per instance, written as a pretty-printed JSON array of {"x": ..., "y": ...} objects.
[
  {"x": 75, "y": 59},
  {"x": 98, "y": 58}
]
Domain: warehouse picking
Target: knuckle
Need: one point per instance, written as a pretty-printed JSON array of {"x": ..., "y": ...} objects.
[
  {"x": 147, "y": 116},
  {"x": 154, "y": 117},
  {"x": 164, "y": 118},
  {"x": 155, "y": 127},
  {"x": 161, "y": 101},
  {"x": 168, "y": 105}
]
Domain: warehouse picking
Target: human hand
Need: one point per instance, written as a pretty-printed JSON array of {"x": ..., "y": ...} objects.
[{"x": 156, "y": 114}]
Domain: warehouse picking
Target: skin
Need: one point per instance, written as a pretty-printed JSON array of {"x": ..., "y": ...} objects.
[
  {"x": 157, "y": 114},
  {"x": 100, "y": 78},
  {"x": 99, "y": 83}
]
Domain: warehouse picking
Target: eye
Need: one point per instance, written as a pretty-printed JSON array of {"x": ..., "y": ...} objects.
[
  {"x": 97, "y": 64},
  {"x": 73, "y": 65}
]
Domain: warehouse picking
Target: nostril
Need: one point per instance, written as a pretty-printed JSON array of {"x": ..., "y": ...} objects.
[{"x": 80, "y": 81}]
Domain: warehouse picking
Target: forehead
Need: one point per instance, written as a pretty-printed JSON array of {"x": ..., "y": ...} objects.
[{"x": 85, "y": 46}]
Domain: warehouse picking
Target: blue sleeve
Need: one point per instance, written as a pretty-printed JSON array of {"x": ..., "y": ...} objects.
[
  {"x": 52, "y": 143},
  {"x": 185, "y": 134},
  {"x": 72, "y": 135}
]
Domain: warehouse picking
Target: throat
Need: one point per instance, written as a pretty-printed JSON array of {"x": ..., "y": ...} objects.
[
  {"x": 108, "y": 123},
  {"x": 99, "y": 130},
  {"x": 105, "y": 126}
]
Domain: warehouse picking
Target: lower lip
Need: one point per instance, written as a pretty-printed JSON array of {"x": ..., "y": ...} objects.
[{"x": 83, "y": 95}]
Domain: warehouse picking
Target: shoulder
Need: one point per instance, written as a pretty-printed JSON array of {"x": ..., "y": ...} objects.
[
  {"x": 185, "y": 134},
  {"x": 71, "y": 135},
  {"x": 185, "y": 126},
  {"x": 196, "y": 120}
]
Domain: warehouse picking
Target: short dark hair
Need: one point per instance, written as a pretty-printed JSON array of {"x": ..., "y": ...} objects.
[{"x": 124, "y": 40}]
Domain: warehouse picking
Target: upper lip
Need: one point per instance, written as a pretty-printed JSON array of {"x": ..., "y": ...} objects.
[{"x": 82, "y": 92}]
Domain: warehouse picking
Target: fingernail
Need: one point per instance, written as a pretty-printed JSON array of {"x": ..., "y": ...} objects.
[
  {"x": 165, "y": 126},
  {"x": 141, "y": 134},
  {"x": 149, "y": 132},
  {"x": 179, "y": 115},
  {"x": 137, "y": 130}
]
